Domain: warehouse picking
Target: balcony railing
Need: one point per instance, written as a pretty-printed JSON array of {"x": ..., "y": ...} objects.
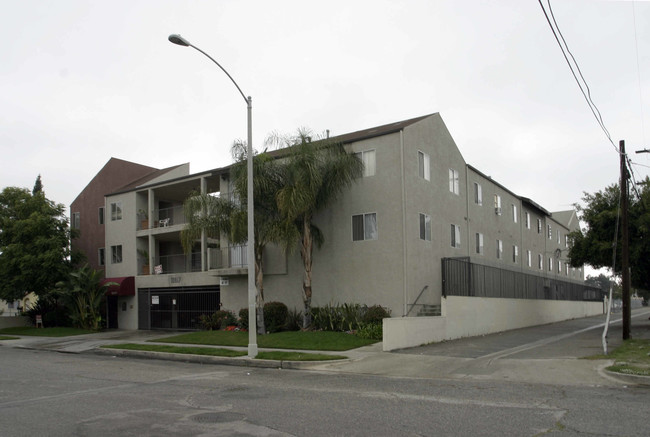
[
  {"x": 163, "y": 218},
  {"x": 232, "y": 257},
  {"x": 177, "y": 263}
]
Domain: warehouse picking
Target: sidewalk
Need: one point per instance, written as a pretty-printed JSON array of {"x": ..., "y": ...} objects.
[{"x": 548, "y": 354}]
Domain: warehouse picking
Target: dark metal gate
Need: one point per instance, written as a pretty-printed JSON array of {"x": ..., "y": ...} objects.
[{"x": 175, "y": 308}]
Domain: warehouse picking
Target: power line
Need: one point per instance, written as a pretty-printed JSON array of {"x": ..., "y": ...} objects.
[{"x": 586, "y": 95}]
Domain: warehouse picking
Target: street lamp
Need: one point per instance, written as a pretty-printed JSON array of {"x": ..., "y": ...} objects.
[{"x": 250, "y": 253}]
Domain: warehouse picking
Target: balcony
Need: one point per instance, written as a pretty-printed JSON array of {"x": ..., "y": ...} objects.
[
  {"x": 163, "y": 218},
  {"x": 172, "y": 264},
  {"x": 230, "y": 260}
]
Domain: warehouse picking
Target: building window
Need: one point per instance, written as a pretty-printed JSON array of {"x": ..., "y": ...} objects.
[
  {"x": 364, "y": 227},
  {"x": 497, "y": 204},
  {"x": 368, "y": 159},
  {"x": 454, "y": 181},
  {"x": 479, "y": 243},
  {"x": 550, "y": 232},
  {"x": 424, "y": 167},
  {"x": 515, "y": 253},
  {"x": 101, "y": 256},
  {"x": 116, "y": 211},
  {"x": 550, "y": 264},
  {"x": 566, "y": 269},
  {"x": 527, "y": 220},
  {"x": 539, "y": 226},
  {"x": 514, "y": 213},
  {"x": 455, "y": 236},
  {"x": 100, "y": 215},
  {"x": 540, "y": 261},
  {"x": 529, "y": 258},
  {"x": 478, "y": 194},
  {"x": 566, "y": 241},
  {"x": 559, "y": 266},
  {"x": 558, "y": 237},
  {"x": 116, "y": 254},
  {"x": 76, "y": 220},
  {"x": 425, "y": 227}
]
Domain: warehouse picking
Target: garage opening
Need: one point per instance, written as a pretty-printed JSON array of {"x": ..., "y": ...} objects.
[{"x": 176, "y": 308}]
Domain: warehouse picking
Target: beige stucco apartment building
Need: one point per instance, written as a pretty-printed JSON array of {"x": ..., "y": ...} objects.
[{"x": 385, "y": 238}]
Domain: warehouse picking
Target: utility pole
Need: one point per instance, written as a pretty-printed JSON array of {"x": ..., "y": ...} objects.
[{"x": 625, "y": 248}]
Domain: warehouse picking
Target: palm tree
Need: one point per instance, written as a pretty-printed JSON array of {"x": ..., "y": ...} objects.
[
  {"x": 315, "y": 174},
  {"x": 83, "y": 293},
  {"x": 216, "y": 215}
]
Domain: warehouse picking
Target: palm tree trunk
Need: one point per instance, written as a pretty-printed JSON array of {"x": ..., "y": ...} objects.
[
  {"x": 259, "y": 284},
  {"x": 306, "y": 249}
]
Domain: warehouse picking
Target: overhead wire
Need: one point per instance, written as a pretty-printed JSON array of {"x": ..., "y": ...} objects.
[{"x": 587, "y": 94}]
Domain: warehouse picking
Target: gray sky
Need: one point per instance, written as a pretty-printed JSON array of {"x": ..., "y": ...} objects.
[{"x": 83, "y": 81}]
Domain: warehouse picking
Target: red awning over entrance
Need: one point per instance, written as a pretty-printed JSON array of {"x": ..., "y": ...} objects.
[{"x": 125, "y": 286}]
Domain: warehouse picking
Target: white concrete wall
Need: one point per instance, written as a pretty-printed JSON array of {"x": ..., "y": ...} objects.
[{"x": 472, "y": 316}]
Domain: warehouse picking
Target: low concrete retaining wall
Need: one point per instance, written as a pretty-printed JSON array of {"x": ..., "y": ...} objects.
[
  {"x": 471, "y": 316},
  {"x": 12, "y": 322}
]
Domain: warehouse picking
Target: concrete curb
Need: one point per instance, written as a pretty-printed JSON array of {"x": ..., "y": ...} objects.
[
  {"x": 205, "y": 359},
  {"x": 630, "y": 379}
]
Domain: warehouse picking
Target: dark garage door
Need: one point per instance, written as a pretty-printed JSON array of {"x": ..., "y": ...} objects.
[{"x": 175, "y": 308}]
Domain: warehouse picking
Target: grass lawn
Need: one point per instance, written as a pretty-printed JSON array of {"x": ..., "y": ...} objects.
[
  {"x": 193, "y": 350},
  {"x": 6, "y": 337},
  {"x": 303, "y": 340},
  {"x": 632, "y": 357},
  {"x": 44, "y": 332}
]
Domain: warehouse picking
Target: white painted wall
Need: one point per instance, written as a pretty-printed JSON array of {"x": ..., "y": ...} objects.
[{"x": 472, "y": 316}]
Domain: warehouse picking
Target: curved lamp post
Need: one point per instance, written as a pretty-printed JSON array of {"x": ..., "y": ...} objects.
[{"x": 250, "y": 253}]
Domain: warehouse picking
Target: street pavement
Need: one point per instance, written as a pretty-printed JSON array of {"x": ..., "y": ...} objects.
[{"x": 547, "y": 354}]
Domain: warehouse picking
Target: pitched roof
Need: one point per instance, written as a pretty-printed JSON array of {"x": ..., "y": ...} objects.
[{"x": 377, "y": 131}]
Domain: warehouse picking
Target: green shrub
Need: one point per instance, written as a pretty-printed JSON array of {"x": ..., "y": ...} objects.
[
  {"x": 294, "y": 320},
  {"x": 243, "y": 318},
  {"x": 53, "y": 312},
  {"x": 275, "y": 316},
  {"x": 375, "y": 314},
  {"x": 371, "y": 331},
  {"x": 218, "y": 320}
]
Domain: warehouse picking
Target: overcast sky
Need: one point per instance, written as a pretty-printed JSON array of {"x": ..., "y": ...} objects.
[{"x": 84, "y": 81}]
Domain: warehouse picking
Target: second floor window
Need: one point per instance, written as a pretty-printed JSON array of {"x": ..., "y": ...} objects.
[
  {"x": 455, "y": 236},
  {"x": 497, "y": 204},
  {"x": 364, "y": 227},
  {"x": 527, "y": 220},
  {"x": 425, "y": 227},
  {"x": 499, "y": 249},
  {"x": 479, "y": 243},
  {"x": 116, "y": 254},
  {"x": 478, "y": 194},
  {"x": 514, "y": 213},
  {"x": 515, "y": 253},
  {"x": 101, "y": 256}
]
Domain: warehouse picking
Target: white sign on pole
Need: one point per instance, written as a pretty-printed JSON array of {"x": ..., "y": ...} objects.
[{"x": 155, "y": 300}]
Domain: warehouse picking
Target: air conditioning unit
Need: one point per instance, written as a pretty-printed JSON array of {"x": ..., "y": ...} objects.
[{"x": 497, "y": 210}]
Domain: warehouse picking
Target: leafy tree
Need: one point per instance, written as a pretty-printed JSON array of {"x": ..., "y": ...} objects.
[
  {"x": 603, "y": 282},
  {"x": 315, "y": 174},
  {"x": 38, "y": 186},
  {"x": 216, "y": 215},
  {"x": 83, "y": 294},
  {"x": 34, "y": 242},
  {"x": 594, "y": 244}
]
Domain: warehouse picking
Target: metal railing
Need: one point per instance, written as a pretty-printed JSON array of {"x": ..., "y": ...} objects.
[
  {"x": 228, "y": 257},
  {"x": 460, "y": 277},
  {"x": 177, "y": 263}
]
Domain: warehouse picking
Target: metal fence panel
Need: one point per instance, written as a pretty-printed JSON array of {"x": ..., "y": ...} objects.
[
  {"x": 176, "y": 308},
  {"x": 460, "y": 277}
]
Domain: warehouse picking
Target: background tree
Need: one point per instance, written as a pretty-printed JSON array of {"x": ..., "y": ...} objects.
[
  {"x": 315, "y": 174},
  {"x": 34, "y": 242},
  {"x": 594, "y": 245},
  {"x": 603, "y": 282}
]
